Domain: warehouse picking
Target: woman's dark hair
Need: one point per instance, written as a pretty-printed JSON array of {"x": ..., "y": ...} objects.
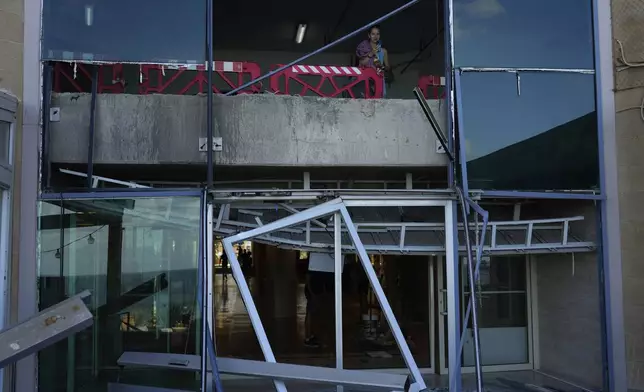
[{"x": 374, "y": 27}]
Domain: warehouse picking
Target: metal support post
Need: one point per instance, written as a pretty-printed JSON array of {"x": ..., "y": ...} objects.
[
  {"x": 337, "y": 232},
  {"x": 325, "y": 47},
  {"x": 479, "y": 253},
  {"x": 472, "y": 281},
  {"x": 46, "y": 106},
  {"x": 210, "y": 318},
  {"x": 92, "y": 125},
  {"x": 460, "y": 127},
  {"x": 262, "y": 338},
  {"x": 209, "y": 96},
  {"x": 208, "y": 353},
  {"x": 453, "y": 308}
]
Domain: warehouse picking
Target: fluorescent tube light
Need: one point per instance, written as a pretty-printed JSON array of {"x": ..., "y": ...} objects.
[{"x": 301, "y": 30}]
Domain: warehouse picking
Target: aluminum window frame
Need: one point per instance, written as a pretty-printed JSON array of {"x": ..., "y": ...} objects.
[
  {"x": 8, "y": 109},
  {"x": 609, "y": 259},
  {"x": 339, "y": 208}
]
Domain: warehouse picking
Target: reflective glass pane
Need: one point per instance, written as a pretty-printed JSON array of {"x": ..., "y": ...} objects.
[
  {"x": 538, "y": 134},
  {"x": 138, "y": 258},
  {"x": 134, "y": 31},
  {"x": 503, "y": 311},
  {"x": 5, "y": 142},
  {"x": 521, "y": 33},
  {"x": 503, "y": 330}
]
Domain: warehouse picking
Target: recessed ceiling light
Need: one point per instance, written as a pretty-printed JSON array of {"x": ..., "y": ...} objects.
[{"x": 299, "y": 35}]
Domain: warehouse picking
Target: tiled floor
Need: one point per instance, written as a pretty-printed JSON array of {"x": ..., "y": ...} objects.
[
  {"x": 524, "y": 381},
  {"x": 235, "y": 338}
]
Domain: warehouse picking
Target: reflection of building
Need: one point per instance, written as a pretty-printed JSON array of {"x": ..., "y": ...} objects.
[{"x": 548, "y": 299}]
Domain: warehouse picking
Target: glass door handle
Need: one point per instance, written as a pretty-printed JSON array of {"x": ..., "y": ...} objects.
[{"x": 442, "y": 302}]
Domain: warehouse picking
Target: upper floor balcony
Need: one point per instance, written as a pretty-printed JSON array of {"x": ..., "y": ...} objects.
[
  {"x": 306, "y": 115},
  {"x": 524, "y": 107}
]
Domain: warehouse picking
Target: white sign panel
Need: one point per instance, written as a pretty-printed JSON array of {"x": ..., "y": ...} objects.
[
  {"x": 439, "y": 148},
  {"x": 54, "y": 114},
  {"x": 323, "y": 262},
  {"x": 217, "y": 144}
]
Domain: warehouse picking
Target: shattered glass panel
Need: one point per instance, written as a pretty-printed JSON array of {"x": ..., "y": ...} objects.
[
  {"x": 162, "y": 31},
  {"x": 511, "y": 33},
  {"x": 535, "y": 131}
]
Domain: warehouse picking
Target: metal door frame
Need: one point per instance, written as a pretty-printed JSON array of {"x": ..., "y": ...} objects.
[{"x": 338, "y": 208}]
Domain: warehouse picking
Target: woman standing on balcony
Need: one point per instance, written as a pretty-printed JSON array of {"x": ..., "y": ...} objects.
[{"x": 371, "y": 54}]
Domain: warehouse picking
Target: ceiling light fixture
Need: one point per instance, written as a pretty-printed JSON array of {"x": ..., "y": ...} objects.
[
  {"x": 299, "y": 35},
  {"x": 89, "y": 15}
]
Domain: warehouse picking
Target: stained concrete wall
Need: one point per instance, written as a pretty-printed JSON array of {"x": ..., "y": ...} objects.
[
  {"x": 257, "y": 130},
  {"x": 11, "y": 43},
  {"x": 568, "y": 303},
  {"x": 628, "y": 27},
  {"x": 630, "y": 144}
]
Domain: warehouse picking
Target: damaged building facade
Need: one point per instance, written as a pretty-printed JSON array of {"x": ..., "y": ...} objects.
[{"x": 192, "y": 172}]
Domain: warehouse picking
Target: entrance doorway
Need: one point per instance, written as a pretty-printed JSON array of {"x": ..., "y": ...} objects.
[
  {"x": 505, "y": 316},
  {"x": 398, "y": 315}
]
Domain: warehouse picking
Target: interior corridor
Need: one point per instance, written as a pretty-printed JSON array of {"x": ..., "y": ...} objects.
[{"x": 277, "y": 283}]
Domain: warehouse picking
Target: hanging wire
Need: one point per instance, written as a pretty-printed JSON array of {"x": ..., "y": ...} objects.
[
  {"x": 622, "y": 59},
  {"x": 73, "y": 242}
]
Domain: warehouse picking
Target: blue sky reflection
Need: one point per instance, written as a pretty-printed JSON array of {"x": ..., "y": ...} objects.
[
  {"x": 523, "y": 33},
  {"x": 127, "y": 31}
]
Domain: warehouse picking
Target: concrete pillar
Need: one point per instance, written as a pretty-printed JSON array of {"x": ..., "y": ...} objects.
[
  {"x": 283, "y": 276},
  {"x": 276, "y": 275}
]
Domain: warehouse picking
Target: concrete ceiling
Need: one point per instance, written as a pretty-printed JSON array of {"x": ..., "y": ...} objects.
[{"x": 265, "y": 25}]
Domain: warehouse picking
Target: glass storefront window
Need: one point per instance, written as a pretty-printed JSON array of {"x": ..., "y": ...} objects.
[
  {"x": 539, "y": 133},
  {"x": 518, "y": 33},
  {"x": 139, "y": 259},
  {"x": 503, "y": 312},
  {"x": 164, "y": 31},
  {"x": 5, "y": 142}
]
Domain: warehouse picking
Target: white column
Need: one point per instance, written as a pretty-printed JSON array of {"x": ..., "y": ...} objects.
[{"x": 337, "y": 229}]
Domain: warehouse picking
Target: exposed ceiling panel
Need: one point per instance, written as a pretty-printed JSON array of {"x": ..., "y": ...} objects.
[{"x": 263, "y": 25}]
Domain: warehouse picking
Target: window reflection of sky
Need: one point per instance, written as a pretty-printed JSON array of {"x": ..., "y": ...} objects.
[
  {"x": 521, "y": 34},
  {"x": 495, "y": 116},
  {"x": 127, "y": 31}
]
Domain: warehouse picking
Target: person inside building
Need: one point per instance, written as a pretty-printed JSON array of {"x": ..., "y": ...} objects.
[
  {"x": 371, "y": 54},
  {"x": 246, "y": 261},
  {"x": 319, "y": 282},
  {"x": 224, "y": 264}
]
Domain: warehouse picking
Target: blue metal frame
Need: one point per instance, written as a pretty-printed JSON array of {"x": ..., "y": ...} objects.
[
  {"x": 200, "y": 290},
  {"x": 454, "y": 364},
  {"x": 603, "y": 305},
  {"x": 47, "y": 81},
  {"x": 209, "y": 97},
  {"x": 461, "y": 134},
  {"x": 451, "y": 135},
  {"x": 208, "y": 353},
  {"x": 126, "y": 192},
  {"x": 540, "y": 195},
  {"x": 612, "y": 379}
]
